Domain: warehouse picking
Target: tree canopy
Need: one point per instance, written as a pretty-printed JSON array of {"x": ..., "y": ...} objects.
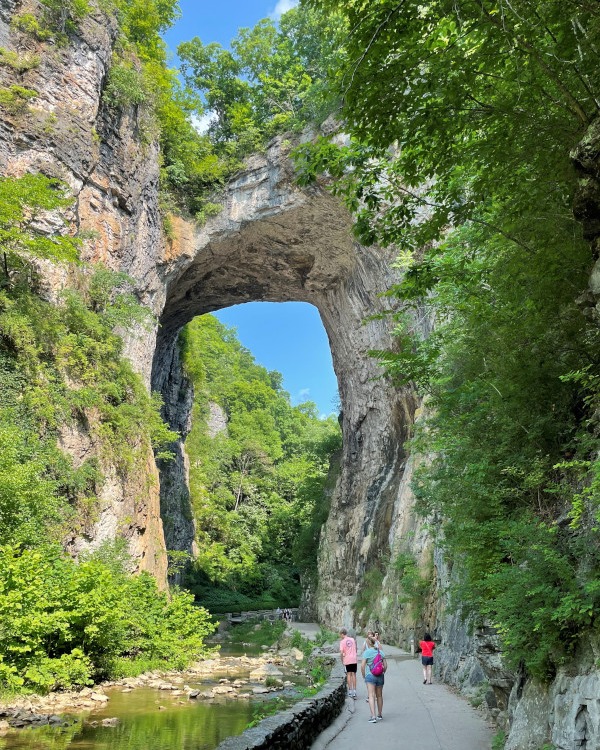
[{"x": 274, "y": 79}]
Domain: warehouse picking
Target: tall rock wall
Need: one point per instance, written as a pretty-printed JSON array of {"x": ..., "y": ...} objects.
[
  {"x": 65, "y": 132},
  {"x": 272, "y": 241},
  {"x": 275, "y": 242}
]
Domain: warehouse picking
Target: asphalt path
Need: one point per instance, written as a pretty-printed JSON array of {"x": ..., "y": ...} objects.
[{"x": 415, "y": 716}]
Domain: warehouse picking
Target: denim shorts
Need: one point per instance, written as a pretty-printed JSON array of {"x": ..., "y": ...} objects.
[{"x": 374, "y": 680}]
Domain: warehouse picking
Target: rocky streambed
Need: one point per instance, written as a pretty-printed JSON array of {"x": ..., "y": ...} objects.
[{"x": 214, "y": 686}]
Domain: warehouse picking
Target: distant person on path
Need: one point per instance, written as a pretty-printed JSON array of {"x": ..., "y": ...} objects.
[
  {"x": 427, "y": 645},
  {"x": 374, "y": 681},
  {"x": 349, "y": 660},
  {"x": 370, "y": 634},
  {"x": 279, "y": 613},
  {"x": 376, "y": 639}
]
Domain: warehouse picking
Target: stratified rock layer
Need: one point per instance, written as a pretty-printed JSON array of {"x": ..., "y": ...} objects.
[
  {"x": 65, "y": 132},
  {"x": 272, "y": 241}
]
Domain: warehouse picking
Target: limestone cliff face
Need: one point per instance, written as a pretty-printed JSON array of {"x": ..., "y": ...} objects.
[
  {"x": 271, "y": 242},
  {"x": 65, "y": 132},
  {"x": 276, "y": 242}
]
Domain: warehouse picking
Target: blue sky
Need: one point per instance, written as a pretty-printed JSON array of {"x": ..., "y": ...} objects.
[
  {"x": 288, "y": 337},
  {"x": 219, "y": 20}
]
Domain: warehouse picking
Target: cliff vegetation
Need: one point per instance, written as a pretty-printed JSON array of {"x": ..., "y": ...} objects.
[
  {"x": 61, "y": 367},
  {"x": 463, "y": 115}
]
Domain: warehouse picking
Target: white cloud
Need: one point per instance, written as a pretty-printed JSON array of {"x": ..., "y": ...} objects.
[
  {"x": 282, "y": 7},
  {"x": 202, "y": 124}
]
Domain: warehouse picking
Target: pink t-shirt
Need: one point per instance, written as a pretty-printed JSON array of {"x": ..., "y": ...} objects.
[{"x": 348, "y": 650}]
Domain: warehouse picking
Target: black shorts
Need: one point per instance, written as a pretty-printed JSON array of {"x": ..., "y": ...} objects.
[
  {"x": 351, "y": 667},
  {"x": 427, "y": 661}
]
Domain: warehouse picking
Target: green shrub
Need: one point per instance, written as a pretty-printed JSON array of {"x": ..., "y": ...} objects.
[
  {"x": 14, "y": 98},
  {"x": 297, "y": 640},
  {"x": 268, "y": 708},
  {"x": 63, "y": 15},
  {"x": 267, "y": 633},
  {"x": 208, "y": 209},
  {"x": 320, "y": 669},
  {"x": 125, "y": 86},
  {"x": 325, "y": 636},
  {"x": 218, "y": 599},
  {"x": 414, "y": 583},
  {"x": 369, "y": 590},
  {"x": 67, "y": 671},
  {"x": 29, "y": 24},
  {"x": 20, "y": 63},
  {"x": 66, "y": 624}
]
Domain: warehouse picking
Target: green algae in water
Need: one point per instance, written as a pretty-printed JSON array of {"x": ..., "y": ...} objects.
[{"x": 189, "y": 725}]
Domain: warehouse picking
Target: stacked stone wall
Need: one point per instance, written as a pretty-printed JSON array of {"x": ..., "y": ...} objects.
[{"x": 298, "y": 727}]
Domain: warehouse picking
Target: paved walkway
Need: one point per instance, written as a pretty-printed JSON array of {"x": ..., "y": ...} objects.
[{"x": 415, "y": 716}]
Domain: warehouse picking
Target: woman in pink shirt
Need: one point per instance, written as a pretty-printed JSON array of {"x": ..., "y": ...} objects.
[{"x": 427, "y": 645}]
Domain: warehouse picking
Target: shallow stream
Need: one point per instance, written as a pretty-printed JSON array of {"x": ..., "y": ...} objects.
[{"x": 151, "y": 719}]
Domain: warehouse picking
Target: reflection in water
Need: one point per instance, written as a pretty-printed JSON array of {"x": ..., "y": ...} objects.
[{"x": 180, "y": 724}]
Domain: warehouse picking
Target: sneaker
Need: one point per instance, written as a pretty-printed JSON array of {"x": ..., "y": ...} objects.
[
  {"x": 379, "y": 718},
  {"x": 372, "y": 720}
]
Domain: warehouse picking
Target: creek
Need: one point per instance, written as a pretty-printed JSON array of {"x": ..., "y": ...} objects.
[{"x": 152, "y": 719}]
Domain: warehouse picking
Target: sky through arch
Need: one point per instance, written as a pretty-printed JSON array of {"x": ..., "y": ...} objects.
[{"x": 289, "y": 337}]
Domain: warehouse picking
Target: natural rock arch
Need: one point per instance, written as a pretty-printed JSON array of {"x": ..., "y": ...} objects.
[{"x": 275, "y": 242}]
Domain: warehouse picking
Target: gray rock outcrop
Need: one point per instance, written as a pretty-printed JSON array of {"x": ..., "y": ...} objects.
[
  {"x": 66, "y": 132},
  {"x": 276, "y": 242}
]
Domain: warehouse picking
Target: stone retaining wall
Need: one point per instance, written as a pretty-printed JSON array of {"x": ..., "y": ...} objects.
[{"x": 296, "y": 728}]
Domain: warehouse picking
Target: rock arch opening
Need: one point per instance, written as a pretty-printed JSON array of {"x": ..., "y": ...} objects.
[{"x": 274, "y": 242}]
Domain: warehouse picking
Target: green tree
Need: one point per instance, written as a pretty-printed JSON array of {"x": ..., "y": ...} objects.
[
  {"x": 65, "y": 624},
  {"x": 64, "y": 14},
  {"x": 23, "y": 202},
  {"x": 272, "y": 80}
]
